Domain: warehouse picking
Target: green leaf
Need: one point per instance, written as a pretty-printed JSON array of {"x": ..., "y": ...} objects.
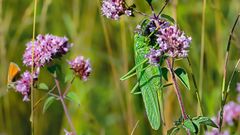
[
  {"x": 190, "y": 125},
  {"x": 43, "y": 86},
  {"x": 165, "y": 73},
  {"x": 68, "y": 77},
  {"x": 168, "y": 18},
  {"x": 149, "y": 81},
  {"x": 54, "y": 69},
  {"x": 173, "y": 131},
  {"x": 48, "y": 102},
  {"x": 72, "y": 96},
  {"x": 183, "y": 76},
  {"x": 201, "y": 120}
]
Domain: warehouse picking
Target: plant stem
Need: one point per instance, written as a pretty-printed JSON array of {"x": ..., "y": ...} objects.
[
  {"x": 202, "y": 51},
  {"x": 65, "y": 107},
  {"x": 166, "y": 2},
  {"x": 68, "y": 87},
  {"x": 224, "y": 91},
  {"x": 32, "y": 67},
  {"x": 177, "y": 91},
  {"x": 200, "y": 103},
  {"x": 196, "y": 88},
  {"x": 141, "y": 13}
]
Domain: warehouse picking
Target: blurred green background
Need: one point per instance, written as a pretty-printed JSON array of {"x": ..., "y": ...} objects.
[{"x": 106, "y": 105}]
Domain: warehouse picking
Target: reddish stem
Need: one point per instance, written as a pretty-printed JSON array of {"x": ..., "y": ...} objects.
[
  {"x": 177, "y": 91},
  {"x": 65, "y": 107}
]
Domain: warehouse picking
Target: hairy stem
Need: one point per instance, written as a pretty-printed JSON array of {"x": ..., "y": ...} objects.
[
  {"x": 224, "y": 91},
  {"x": 177, "y": 91},
  {"x": 65, "y": 107}
]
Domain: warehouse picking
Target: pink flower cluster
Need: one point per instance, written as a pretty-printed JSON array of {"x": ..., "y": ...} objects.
[
  {"x": 113, "y": 9},
  {"x": 231, "y": 114},
  {"x": 173, "y": 42},
  {"x": 231, "y": 111},
  {"x": 81, "y": 67},
  {"x": 46, "y": 47},
  {"x": 170, "y": 39},
  {"x": 23, "y": 85},
  {"x": 215, "y": 131}
]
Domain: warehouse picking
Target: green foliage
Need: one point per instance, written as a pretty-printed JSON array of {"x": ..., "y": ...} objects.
[
  {"x": 191, "y": 124},
  {"x": 69, "y": 77},
  {"x": 43, "y": 86},
  {"x": 87, "y": 33},
  {"x": 168, "y": 18},
  {"x": 72, "y": 96},
  {"x": 188, "y": 124},
  {"x": 183, "y": 76},
  {"x": 54, "y": 69},
  {"x": 48, "y": 102},
  {"x": 173, "y": 131},
  {"x": 201, "y": 120}
]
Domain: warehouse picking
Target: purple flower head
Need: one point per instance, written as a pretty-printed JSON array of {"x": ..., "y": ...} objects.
[
  {"x": 173, "y": 42},
  {"x": 113, "y": 9},
  {"x": 81, "y": 67},
  {"x": 46, "y": 47},
  {"x": 231, "y": 113},
  {"x": 23, "y": 85},
  {"x": 215, "y": 131},
  {"x": 154, "y": 56}
]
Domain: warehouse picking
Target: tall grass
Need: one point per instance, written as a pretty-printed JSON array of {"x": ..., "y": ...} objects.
[{"x": 106, "y": 105}]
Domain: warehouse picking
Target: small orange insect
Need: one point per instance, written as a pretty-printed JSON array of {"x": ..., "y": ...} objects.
[{"x": 13, "y": 72}]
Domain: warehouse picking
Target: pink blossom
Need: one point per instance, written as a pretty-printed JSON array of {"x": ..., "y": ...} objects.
[
  {"x": 173, "y": 42},
  {"x": 23, "y": 85},
  {"x": 46, "y": 47},
  {"x": 231, "y": 112},
  {"x": 215, "y": 131},
  {"x": 113, "y": 9},
  {"x": 81, "y": 67}
]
